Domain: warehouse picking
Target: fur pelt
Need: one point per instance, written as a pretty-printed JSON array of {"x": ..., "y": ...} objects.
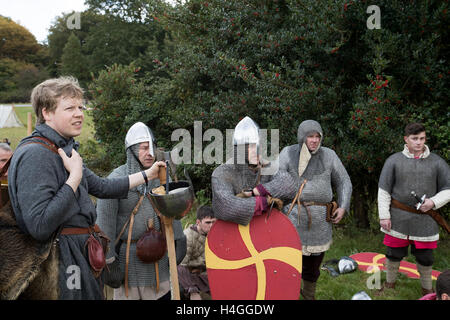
[{"x": 28, "y": 268}]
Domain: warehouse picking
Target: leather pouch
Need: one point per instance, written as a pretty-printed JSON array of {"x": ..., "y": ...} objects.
[
  {"x": 151, "y": 246},
  {"x": 96, "y": 255},
  {"x": 331, "y": 207}
]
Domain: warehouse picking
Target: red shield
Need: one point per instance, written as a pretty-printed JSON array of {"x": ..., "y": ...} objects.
[{"x": 261, "y": 261}]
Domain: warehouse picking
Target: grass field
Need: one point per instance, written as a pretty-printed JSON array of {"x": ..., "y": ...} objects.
[{"x": 348, "y": 240}]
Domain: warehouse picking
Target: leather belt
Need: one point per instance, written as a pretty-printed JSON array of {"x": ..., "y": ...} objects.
[
  {"x": 432, "y": 213},
  {"x": 88, "y": 230},
  {"x": 312, "y": 203}
]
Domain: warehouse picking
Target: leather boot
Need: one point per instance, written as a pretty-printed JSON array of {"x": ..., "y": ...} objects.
[
  {"x": 426, "y": 291},
  {"x": 389, "y": 285},
  {"x": 309, "y": 290},
  {"x": 386, "y": 285}
]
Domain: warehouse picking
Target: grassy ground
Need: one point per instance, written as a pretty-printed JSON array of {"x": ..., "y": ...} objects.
[{"x": 348, "y": 240}]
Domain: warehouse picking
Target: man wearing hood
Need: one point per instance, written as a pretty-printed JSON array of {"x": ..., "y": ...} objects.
[
  {"x": 49, "y": 191},
  {"x": 312, "y": 172},
  {"x": 417, "y": 170},
  {"x": 142, "y": 280},
  {"x": 233, "y": 181}
]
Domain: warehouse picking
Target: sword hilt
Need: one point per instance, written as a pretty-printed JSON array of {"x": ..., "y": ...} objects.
[{"x": 420, "y": 201}]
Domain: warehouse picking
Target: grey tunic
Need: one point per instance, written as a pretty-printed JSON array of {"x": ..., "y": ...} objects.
[
  {"x": 112, "y": 215},
  {"x": 324, "y": 172},
  {"x": 401, "y": 175},
  {"x": 43, "y": 202},
  {"x": 227, "y": 180}
]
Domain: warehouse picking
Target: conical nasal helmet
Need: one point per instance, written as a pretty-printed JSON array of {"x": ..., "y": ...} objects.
[
  {"x": 138, "y": 133},
  {"x": 246, "y": 132}
]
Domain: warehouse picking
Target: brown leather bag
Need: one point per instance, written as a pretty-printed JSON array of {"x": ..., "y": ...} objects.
[
  {"x": 152, "y": 245},
  {"x": 331, "y": 207},
  {"x": 97, "y": 245},
  {"x": 96, "y": 254}
]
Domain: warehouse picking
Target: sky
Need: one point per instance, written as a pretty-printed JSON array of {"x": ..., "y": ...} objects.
[{"x": 38, "y": 15}]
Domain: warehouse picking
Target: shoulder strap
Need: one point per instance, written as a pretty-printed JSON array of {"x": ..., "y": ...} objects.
[
  {"x": 128, "y": 220},
  {"x": 5, "y": 167},
  {"x": 45, "y": 142},
  {"x": 297, "y": 198}
]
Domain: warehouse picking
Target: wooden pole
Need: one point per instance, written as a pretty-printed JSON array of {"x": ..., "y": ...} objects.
[
  {"x": 29, "y": 125},
  {"x": 170, "y": 239},
  {"x": 168, "y": 227}
]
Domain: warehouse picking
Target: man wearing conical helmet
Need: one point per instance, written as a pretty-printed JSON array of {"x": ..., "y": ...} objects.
[
  {"x": 132, "y": 278},
  {"x": 233, "y": 181}
]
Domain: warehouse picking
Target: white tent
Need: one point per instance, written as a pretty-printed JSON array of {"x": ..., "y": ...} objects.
[{"x": 8, "y": 117}]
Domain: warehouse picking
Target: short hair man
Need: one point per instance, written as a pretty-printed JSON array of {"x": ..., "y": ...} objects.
[
  {"x": 417, "y": 170},
  {"x": 192, "y": 270},
  {"x": 49, "y": 191}
]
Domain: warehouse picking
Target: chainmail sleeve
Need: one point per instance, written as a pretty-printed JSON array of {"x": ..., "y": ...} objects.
[
  {"x": 341, "y": 182},
  {"x": 286, "y": 181},
  {"x": 226, "y": 205}
]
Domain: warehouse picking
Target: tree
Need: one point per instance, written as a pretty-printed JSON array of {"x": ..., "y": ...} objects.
[
  {"x": 59, "y": 34},
  {"x": 283, "y": 61},
  {"x": 16, "y": 41},
  {"x": 22, "y": 62},
  {"x": 73, "y": 62},
  {"x": 116, "y": 96},
  {"x": 105, "y": 40}
]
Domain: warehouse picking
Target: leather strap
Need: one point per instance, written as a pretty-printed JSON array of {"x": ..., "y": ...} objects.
[
  {"x": 313, "y": 203},
  {"x": 432, "y": 213},
  {"x": 297, "y": 200},
  {"x": 126, "y": 223},
  {"x": 399, "y": 205},
  {"x": 309, "y": 216},
  {"x": 150, "y": 226},
  {"x": 129, "y": 241},
  {"x": 130, "y": 231},
  {"x": 88, "y": 230},
  {"x": 307, "y": 204},
  {"x": 46, "y": 143},
  {"x": 297, "y": 196}
]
